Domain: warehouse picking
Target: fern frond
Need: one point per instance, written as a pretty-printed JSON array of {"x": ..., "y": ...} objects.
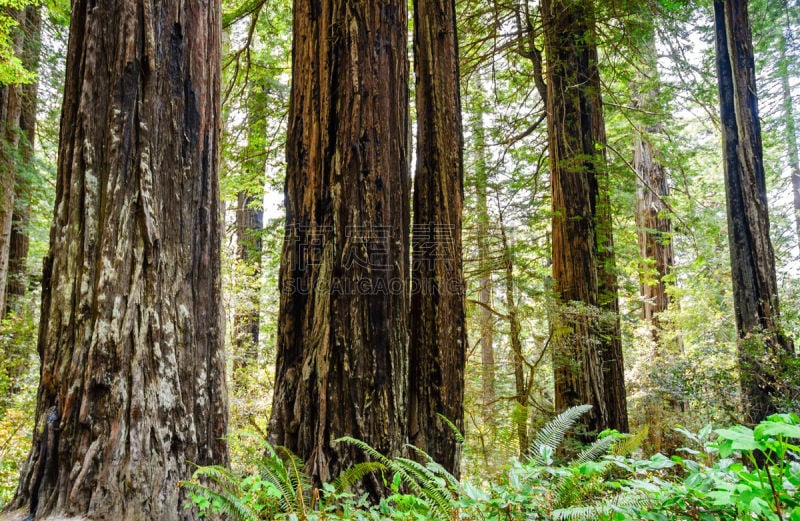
[
  {"x": 600, "y": 509},
  {"x": 600, "y": 447},
  {"x": 227, "y": 503},
  {"x": 552, "y": 434},
  {"x": 631, "y": 443},
  {"x": 219, "y": 475},
  {"x": 352, "y": 475},
  {"x": 459, "y": 437},
  {"x": 437, "y": 468}
]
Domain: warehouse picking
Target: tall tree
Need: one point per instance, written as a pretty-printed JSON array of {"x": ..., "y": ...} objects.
[
  {"x": 249, "y": 227},
  {"x": 587, "y": 358},
  {"x": 486, "y": 314},
  {"x": 788, "y": 114},
  {"x": 438, "y": 344},
  {"x": 11, "y": 96},
  {"x": 132, "y": 392},
  {"x": 342, "y": 355},
  {"x": 762, "y": 347},
  {"x": 19, "y": 240}
]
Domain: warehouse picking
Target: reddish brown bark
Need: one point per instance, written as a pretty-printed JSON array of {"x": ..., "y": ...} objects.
[
  {"x": 342, "y": 328},
  {"x": 438, "y": 343},
  {"x": 18, "y": 241},
  {"x": 132, "y": 392},
  {"x": 587, "y": 356}
]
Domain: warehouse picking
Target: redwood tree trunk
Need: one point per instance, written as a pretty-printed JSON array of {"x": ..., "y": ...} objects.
[
  {"x": 587, "y": 360},
  {"x": 438, "y": 342},
  {"x": 521, "y": 388},
  {"x": 132, "y": 392},
  {"x": 788, "y": 115},
  {"x": 342, "y": 327},
  {"x": 486, "y": 316},
  {"x": 762, "y": 346},
  {"x": 10, "y": 110},
  {"x": 249, "y": 224},
  {"x": 18, "y": 241}
]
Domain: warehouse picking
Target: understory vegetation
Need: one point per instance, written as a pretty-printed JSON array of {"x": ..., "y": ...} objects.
[{"x": 720, "y": 474}]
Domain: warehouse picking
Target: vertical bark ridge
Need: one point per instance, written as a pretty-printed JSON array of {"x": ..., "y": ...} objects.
[{"x": 132, "y": 390}]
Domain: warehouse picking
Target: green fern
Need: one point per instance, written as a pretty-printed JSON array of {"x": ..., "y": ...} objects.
[
  {"x": 352, "y": 475},
  {"x": 430, "y": 482},
  {"x": 600, "y": 510},
  {"x": 549, "y": 437}
]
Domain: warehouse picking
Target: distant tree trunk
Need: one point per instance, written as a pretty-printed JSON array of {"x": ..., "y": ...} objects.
[
  {"x": 610, "y": 335},
  {"x": 486, "y": 316},
  {"x": 791, "y": 128},
  {"x": 438, "y": 343},
  {"x": 586, "y": 357},
  {"x": 18, "y": 242},
  {"x": 132, "y": 392},
  {"x": 10, "y": 110},
  {"x": 762, "y": 346},
  {"x": 515, "y": 332},
  {"x": 249, "y": 224},
  {"x": 654, "y": 234},
  {"x": 342, "y": 327}
]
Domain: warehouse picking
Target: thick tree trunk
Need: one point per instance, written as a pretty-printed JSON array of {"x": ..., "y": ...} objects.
[
  {"x": 762, "y": 346},
  {"x": 587, "y": 359},
  {"x": 18, "y": 242},
  {"x": 438, "y": 344},
  {"x": 342, "y": 328},
  {"x": 249, "y": 225},
  {"x": 132, "y": 392},
  {"x": 11, "y": 97}
]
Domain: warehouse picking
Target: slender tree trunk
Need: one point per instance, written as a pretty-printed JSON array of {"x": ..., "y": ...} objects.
[
  {"x": 18, "y": 242},
  {"x": 342, "y": 327},
  {"x": 11, "y": 97},
  {"x": 438, "y": 343},
  {"x": 587, "y": 359},
  {"x": 654, "y": 234},
  {"x": 515, "y": 334},
  {"x": 610, "y": 335},
  {"x": 486, "y": 317},
  {"x": 132, "y": 392},
  {"x": 791, "y": 127},
  {"x": 249, "y": 224},
  {"x": 762, "y": 346}
]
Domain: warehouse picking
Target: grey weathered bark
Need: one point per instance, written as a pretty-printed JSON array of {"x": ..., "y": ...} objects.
[
  {"x": 132, "y": 391},
  {"x": 438, "y": 343},
  {"x": 762, "y": 347},
  {"x": 342, "y": 327},
  {"x": 587, "y": 358},
  {"x": 19, "y": 241}
]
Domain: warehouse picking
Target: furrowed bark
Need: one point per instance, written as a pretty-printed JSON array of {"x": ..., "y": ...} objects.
[
  {"x": 762, "y": 347},
  {"x": 19, "y": 241},
  {"x": 132, "y": 392},
  {"x": 342, "y": 328},
  {"x": 587, "y": 358},
  {"x": 438, "y": 342}
]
